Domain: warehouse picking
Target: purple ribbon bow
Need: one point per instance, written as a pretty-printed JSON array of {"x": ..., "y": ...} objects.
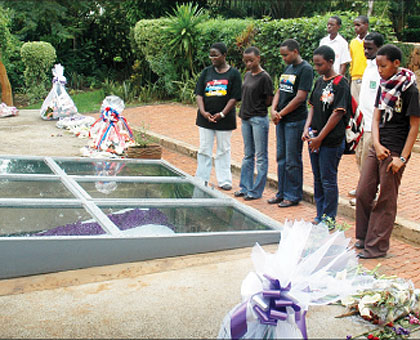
[
  {"x": 268, "y": 312},
  {"x": 62, "y": 82}
]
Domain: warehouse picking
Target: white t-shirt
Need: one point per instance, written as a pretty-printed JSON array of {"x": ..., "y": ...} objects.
[
  {"x": 368, "y": 92},
  {"x": 341, "y": 50}
]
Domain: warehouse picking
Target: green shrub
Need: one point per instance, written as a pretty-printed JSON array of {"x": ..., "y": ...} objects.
[
  {"x": 308, "y": 32},
  {"x": 151, "y": 41},
  {"x": 221, "y": 30},
  {"x": 152, "y": 45},
  {"x": 38, "y": 57},
  {"x": 182, "y": 28}
]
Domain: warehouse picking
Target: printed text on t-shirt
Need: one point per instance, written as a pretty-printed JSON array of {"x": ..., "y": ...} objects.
[
  {"x": 216, "y": 88},
  {"x": 286, "y": 82}
]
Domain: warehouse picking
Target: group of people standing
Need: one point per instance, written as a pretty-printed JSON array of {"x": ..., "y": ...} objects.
[{"x": 387, "y": 96}]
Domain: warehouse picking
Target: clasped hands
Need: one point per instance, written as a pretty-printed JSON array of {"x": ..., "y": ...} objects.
[{"x": 212, "y": 118}]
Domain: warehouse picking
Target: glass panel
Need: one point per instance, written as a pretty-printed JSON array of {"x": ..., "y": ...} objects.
[
  {"x": 21, "y": 221},
  {"x": 114, "y": 168},
  {"x": 11, "y": 188},
  {"x": 23, "y": 166},
  {"x": 112, "y": 189},
  {"x": 159, "y": 221}
]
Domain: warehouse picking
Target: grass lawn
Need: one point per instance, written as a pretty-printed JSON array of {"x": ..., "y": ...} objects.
[{"x": 85, "y": 102}]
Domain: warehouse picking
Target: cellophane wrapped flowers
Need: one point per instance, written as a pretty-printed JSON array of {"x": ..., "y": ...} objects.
[
  {"x": 310, "y": 267},
  {"x": 58, "y": 103},
  {"x": 111, "y": 131}
]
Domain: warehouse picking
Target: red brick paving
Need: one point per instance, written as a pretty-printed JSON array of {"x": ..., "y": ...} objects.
[{"x": 178, "y": 122}]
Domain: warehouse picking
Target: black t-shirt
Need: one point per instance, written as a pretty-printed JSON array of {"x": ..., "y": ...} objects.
[
  {"x": 255, "y": 90},
  {"x": 217, "y": 89},
  {"x": 393, "y": 133},
  {"x": 295, "y": 78},
  {"x": 325, "y": 98}
]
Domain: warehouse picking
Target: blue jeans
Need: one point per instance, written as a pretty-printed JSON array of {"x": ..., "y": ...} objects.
[
  {"x": 324, "y": 167},
  {"x": 289, "y": 160},
  {"x": 255, "y": 136}
]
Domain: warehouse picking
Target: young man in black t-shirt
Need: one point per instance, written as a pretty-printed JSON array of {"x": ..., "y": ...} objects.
[
  {"x": 395, "y": 126},
  {"x": 289, "y": 113}
]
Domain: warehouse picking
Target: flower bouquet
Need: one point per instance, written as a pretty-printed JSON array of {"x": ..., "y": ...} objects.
[
  {"x": 7, "y": 111},
  {"x": 310, "y": 267},
  {"x": 391, "y": 303},
  {"x": 58, "y": 102},
  {"x": 78, "y": 124},
  {"x": 387, "y": 301},
  {"x": 111, "y": 132}
]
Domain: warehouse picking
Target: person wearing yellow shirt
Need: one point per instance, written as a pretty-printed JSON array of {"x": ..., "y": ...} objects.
[{"x": 358, "y": 60}]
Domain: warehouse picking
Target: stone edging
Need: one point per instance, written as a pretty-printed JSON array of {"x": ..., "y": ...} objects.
[{"x": 404, "y": 229}]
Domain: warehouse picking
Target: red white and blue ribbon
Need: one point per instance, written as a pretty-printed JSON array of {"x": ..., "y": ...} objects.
[{"x": 111, "y": 117}]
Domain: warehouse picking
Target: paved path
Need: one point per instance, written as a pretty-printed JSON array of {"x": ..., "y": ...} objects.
[
  {"x": 178, "y": 122},
  {"x": 130, "y": 300}
]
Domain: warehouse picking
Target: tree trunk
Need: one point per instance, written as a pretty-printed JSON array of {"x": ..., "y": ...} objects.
[
  {"x": 370, "y": 8},
  {"x": 6, "y": 89}
]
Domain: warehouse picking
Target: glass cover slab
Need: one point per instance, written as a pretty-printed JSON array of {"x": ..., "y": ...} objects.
[
  {"x": 112, "y": 189},
  {"x": 56, "y": 221},
  {"x": 13, "y": 188},
  {"x": 137, "y": 221},
  {"x": 23, "y": 166},
  {"x": 114, "y": 168}
]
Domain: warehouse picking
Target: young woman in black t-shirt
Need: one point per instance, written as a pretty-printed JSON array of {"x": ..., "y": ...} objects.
[
  {"x": 327, "y": 119},
  {"x": 217, "y": 91}
]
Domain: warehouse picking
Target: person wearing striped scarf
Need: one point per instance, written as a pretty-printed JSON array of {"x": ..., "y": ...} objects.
[{"x": 395, "y": 126}]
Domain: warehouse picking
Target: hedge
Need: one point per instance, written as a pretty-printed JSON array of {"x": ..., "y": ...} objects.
[
  {"x": 38, "y": 57},
  {"x": 151, "y": 39}
]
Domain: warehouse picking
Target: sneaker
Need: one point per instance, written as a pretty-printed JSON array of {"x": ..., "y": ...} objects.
[
  {"x": 239, "y": 194},
  {"x": 226, "y": 187},
  {"x": 352, "y": 193},
  {"x": 353, "y": 202},
  {"x": 274, "y": 200}
]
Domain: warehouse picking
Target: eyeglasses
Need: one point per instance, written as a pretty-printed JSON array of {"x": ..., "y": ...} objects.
[{"x": 215, "y": 56}]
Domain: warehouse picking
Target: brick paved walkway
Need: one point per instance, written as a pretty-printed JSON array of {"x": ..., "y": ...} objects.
[{"x": 178, "y": 122}]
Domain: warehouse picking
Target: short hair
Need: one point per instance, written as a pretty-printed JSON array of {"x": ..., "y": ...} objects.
[
  {"x": 252, "y": 49},
  {"x": 377, "y": 38},
  {"x": 392, "y": 52},
  {"x": 336, "y": 18},
  {"x": 291, "y": 44},
  {"x": 363, "y": 18},
  {"x": 221, "y": 47},
  {"x": 326, "y": 52}
]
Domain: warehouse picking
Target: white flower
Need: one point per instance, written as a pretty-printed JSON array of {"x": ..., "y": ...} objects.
[
  {"x": 341, "y": 275},
  {"x": 371, "y": 299},
  {"x": 348, "y": 300},
  {"x": 365, "y": 312},
  {"x": 403, "y": 296}
]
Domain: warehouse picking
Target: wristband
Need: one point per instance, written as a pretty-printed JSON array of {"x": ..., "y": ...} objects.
[
  {"x": 402, "y": 159},
  {"x": 221, "y": 114}
]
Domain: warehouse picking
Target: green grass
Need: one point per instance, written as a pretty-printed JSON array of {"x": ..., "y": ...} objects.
[{"x": 85, "y": 102}]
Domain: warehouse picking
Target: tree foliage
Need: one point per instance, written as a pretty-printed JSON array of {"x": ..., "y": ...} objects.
[{"x": 94, "y": 38}]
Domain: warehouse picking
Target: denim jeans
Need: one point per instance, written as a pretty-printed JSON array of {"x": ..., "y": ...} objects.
[
  {"x": 255, "y": 136},
  {"x": 222, "y": 159},
  {"x": 324, "y": 167},
  {"x": 289, "y": 160}
]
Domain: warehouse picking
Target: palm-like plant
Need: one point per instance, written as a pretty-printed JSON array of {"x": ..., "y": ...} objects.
[{"x": 183, "y": 27}]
